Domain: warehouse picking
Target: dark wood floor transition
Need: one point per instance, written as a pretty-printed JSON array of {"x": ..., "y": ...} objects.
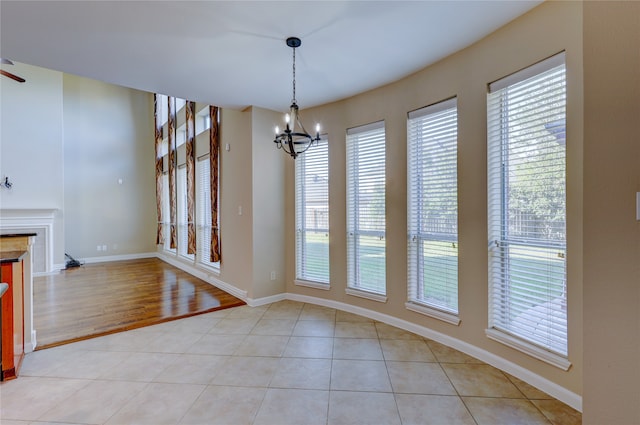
[{"x": 99, "y": 299}]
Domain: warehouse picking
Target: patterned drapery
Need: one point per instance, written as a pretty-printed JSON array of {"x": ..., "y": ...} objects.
[
  {"x": 214, "y": 143},
  {"x": 159, "y": 167},
  {"x": 173, "y": 157},
  {"x": 191, "y": 175}
]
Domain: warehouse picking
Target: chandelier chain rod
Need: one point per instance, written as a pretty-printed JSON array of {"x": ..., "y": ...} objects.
[{"x": 294, "y": 76}]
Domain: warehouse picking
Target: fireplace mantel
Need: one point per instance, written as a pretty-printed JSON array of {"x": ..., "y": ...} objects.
[{"x": 24, "y": 220}]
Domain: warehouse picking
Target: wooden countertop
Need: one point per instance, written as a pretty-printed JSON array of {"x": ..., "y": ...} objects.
[{"x": 11, "y": 256}]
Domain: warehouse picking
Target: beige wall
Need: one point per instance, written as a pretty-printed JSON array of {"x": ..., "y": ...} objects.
[
  {"x": 108, "y": 138},
  {"x": 65, "y": 142},
  {"x": 611, "y": 233},
  {"x": 31, "y": 145},
  {"x": 267, "y": 206},
  {"x": 236, "y": 177},
  {"x": 548, "y": 29},
  {"x": 252, "y": 203}
]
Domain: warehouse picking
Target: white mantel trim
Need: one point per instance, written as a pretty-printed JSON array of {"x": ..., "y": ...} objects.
[{"x": 30, "y": 218}]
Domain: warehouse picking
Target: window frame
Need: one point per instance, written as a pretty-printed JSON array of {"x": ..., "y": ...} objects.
[
  {"x": 358, "y": 141},
  {"x": 318, "y": 159},
  {"x": 203, "y": 215},
  {"x": 432, "y": 161},
  {"x": 182, "y": 226},
  {"x": 512, "y": 256}
]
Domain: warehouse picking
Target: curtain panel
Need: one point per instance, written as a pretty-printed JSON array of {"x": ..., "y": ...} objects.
[
  {"x": 191, "y": 175},
  {"x": 173, "y": 157},
  {"x": 214, "y": 144},
  {"x": 159, "y": 167}
]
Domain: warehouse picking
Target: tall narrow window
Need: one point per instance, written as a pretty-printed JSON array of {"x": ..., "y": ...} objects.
[
  {"x": 433, "y": 210},
  {"x": 166, "y": 225},
  {"x": 183, "y": 236},
  {"x": 312, "y": 214},
  {"x": 366, "y": 224},
  {"x": 203, "y": 213},
  {"x": 527, "y": 211}
]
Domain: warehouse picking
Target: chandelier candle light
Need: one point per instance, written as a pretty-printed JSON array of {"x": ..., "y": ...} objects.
[{"x": 295, "y": 139}]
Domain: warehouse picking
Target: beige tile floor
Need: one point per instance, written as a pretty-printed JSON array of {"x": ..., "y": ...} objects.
[{"x": 286, "y": 363}]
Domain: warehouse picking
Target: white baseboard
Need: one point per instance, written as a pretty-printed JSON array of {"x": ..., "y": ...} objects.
[
  {"x": 257, "y": 302},
  {"x": 204, "y": 275},
  {"x": 568, "y": 397},
  {"x": 109, "y": 258},
  {"x": 29, "y": 346},
  {"x": 104, "y": 259}
]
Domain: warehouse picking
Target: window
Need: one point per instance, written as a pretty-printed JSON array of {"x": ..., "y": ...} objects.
[
  {"x": 179, "y": 104},
  {"x": 183, "y": 232},
  {"x": 527, "y": 211},
  {"x": 366, "y": 210},
  {"x": 312, "y": 214},
  {"x": 181, "y": 135},
  {"x": 203, "y": 212},
  {"x": 433, "y": 210},
  {"x": 202, "y": 209},
  {"x": 203, "y": 122},
  {"x": 166, "y": 225}
]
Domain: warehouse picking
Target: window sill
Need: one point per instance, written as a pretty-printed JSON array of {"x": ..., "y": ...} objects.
[
  {"x": 312, "y": 284},
  {"x": 557, "y": 360},
  {"x": 366, "y": 294},
  {"x": 434, "y": 313}
]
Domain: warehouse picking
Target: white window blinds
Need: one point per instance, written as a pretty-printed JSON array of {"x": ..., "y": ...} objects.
[
  {"x": 366, "y": 208},
  {"x": 312, "y": 214},
  {"x": 527, "y": 208},
  {"x": 203, "y": 212},
  {"x": 433, "y": 206}
]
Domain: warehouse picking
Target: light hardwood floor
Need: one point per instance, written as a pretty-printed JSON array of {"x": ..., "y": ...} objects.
[{"x": 100, "y": 299}]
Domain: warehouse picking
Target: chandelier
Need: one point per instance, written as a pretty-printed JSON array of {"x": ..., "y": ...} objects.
[{"x": 295, "y": 139}]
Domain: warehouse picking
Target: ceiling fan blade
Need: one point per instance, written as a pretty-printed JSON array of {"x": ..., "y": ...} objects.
[{"x": 12, "y": 76}]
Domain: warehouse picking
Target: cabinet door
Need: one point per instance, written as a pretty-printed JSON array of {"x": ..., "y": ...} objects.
[
  {"x": 18, "y": 312},
  {"x": 6, "y": 307}
]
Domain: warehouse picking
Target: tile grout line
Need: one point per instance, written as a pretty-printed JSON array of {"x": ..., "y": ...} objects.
[{"x": 455, "y": 388}]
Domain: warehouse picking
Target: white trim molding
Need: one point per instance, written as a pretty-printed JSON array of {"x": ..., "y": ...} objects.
[
  {"x": 123, "y": 257},
  {"x": 22, "y": 220},
  {"x": 257, "y": 302},
  {"x": 530, "y": 349},
  {"x": 432, "y": 312},
  {"x": 310, "y": 284},
  {"x": 366, "y": 295}
]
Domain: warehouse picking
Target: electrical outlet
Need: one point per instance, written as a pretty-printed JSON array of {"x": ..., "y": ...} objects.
[
  {"x": 273, "y": 275},
  {"x": 104, "y": 247},
  {"x": 99, "y": 248}
]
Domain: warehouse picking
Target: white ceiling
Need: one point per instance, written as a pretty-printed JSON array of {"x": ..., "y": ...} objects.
[{"x": 233, "y": 53}]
